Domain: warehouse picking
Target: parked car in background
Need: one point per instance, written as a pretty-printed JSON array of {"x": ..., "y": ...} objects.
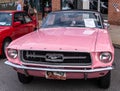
[
  {"x": 68, "y": 45},
  {"x": 14, "y": 24}
]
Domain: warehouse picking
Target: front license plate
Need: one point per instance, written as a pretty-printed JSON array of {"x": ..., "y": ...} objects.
[{"x": 56, "y": 75}]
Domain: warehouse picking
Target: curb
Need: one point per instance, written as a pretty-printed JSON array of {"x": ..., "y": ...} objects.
[{"x": 116, "y": 46}]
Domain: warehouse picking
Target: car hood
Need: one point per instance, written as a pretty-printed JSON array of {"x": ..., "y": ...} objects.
[
  {"x": 2, "y": 28},
  {"x": 67, "y": 39}
]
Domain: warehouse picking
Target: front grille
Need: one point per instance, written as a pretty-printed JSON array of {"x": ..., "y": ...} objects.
[{"x": 56, "y": 58}]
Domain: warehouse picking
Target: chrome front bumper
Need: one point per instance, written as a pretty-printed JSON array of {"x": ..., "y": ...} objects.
[{"x": 57, "y": 69}]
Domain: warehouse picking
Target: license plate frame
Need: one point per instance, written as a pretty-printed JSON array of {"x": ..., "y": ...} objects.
[{"x": 55, "y": 75}]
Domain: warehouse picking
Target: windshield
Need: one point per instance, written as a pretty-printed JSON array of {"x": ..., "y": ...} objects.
[
  {"x": 73, "y": 19},
  {"x": 5, "y": 19}
]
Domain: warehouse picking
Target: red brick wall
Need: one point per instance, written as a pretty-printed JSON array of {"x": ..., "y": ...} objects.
[
  {"x": 56, "y": 5},
  {"x": 113, "y": 15}
]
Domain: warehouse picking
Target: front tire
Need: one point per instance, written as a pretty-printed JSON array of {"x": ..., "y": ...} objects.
[
  {"x": 24, "y": 79},
  {"x": 104, "y": 82}
]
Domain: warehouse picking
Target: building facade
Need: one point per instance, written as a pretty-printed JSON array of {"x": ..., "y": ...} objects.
[
  {"x": 108, "y": 8},
  {"x": 114, "y": 12},
  {"x": 7, "y": 4}
]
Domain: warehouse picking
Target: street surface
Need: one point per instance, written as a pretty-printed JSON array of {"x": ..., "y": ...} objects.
[{"x": 9, "y": 81}]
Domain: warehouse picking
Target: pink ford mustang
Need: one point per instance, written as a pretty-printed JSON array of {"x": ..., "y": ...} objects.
[{"x": 68, "y": 45}]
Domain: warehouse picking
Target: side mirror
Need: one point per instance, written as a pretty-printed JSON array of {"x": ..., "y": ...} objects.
[
  {"x": 106, "y": 24},
  {"x": 15, "y": 24}
]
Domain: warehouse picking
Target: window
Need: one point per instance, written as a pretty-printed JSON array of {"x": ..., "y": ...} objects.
[
  {"x": 5, "y": 19},
  {"x": 22, "y": 17},
  {"x": 68, "y": 4},
  {"x": 73, "y": 19},
  {"x": 27, "y": 18},
  {"x": 19, "y": 17}
]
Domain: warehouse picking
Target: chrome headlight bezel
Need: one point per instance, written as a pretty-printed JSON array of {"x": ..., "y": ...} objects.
[
  {"x": 105, "y": 57},
  {"x": 12, "y": 53}
]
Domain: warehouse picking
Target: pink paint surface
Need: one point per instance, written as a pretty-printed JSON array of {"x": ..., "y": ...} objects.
[{"x": 91, "y": 40}]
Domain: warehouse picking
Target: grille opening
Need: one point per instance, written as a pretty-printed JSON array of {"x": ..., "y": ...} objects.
[{"x": 56, "y": 57}]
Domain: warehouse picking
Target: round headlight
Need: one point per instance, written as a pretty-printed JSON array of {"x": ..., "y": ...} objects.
[
  {"x": 12, "y": 53},
  {"x": 105, "y": 57}
]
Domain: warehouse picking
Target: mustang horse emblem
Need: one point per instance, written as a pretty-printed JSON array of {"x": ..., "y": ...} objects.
[{"x": 54, "y": 57}]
